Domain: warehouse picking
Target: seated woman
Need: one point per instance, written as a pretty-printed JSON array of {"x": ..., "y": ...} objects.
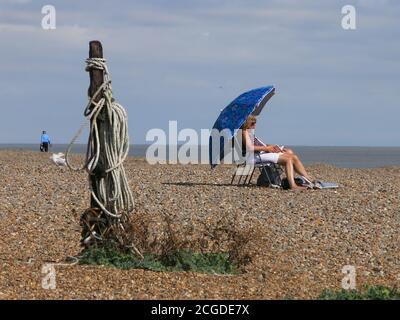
[{"x": 272, "y": 153}]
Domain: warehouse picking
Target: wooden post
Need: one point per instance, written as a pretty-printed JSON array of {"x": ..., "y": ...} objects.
[
  {"x": 96, "y": 76},
  {"x": 96, "y": 80}
]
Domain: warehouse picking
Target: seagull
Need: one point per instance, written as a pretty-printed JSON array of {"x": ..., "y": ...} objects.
[{"x": 58, "y": 159}]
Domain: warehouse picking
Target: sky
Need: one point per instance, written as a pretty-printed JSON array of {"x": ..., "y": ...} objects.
[{"x": 179, "y": 60}]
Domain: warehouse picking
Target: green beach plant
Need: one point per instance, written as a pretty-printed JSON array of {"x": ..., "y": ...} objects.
[
  {"x": 110, "y": 255},
  {"x": 368, "y": 292}
]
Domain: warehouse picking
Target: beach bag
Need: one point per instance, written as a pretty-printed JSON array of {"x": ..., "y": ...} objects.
[
  {"x": 299, "y": 181},
  {"x": 270, "y": 177}
]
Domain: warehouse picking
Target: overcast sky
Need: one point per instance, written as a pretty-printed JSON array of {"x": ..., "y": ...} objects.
[{"x": 186, "y": 60}]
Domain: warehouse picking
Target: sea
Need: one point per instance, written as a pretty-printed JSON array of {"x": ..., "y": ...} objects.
[{"x": 344, "y": 157}]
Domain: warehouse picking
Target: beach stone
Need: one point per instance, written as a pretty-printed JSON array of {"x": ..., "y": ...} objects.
[{"x": 296, "y": 243}]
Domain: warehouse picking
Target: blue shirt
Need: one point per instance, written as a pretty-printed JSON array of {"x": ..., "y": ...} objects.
[{"x": 45, "y": 138}]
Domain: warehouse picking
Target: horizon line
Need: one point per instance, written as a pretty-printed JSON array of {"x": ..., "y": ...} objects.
[{"x": 206, "y": 145}]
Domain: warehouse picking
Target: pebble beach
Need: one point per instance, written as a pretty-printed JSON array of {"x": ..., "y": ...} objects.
[{"x": 292, "y": 244}]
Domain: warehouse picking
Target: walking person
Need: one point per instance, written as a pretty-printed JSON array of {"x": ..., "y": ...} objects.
[{"x": 44, "y": 142}]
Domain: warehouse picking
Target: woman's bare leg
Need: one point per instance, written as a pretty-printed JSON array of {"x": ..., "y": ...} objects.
[
  {"x": 299, "y": 167},
  {"x": 297, "y": 164},
  {"x": 287, "y": 161}
]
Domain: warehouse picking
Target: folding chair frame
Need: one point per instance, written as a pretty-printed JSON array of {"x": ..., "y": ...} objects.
[{"x": 260, "y": 165}]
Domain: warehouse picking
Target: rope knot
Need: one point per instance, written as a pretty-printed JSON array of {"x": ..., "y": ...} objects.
[{"x": 95, "y": 63}]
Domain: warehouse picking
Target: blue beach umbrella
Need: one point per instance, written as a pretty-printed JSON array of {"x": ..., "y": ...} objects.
[{"x": 234, "y": 115}]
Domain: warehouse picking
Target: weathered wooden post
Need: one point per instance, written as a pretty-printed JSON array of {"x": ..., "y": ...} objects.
[
  {"x": 91, "y": 218},
  {"x": 96, "y": 81},
  {"x": 111, "y": 199}
]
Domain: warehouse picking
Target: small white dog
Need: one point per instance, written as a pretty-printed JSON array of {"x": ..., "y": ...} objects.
[{"x": 59, "y": 159}]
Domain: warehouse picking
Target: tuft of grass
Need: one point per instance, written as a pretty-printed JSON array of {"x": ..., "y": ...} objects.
[
  {"x": 179, "y": 260},
  {"x": 369, "y": 293}
]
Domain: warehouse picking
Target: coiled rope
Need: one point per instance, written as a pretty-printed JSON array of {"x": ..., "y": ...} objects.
[{"x": 107, "y": 148}]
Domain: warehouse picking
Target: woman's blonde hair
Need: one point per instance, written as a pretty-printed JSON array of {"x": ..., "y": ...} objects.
[{"x": 249, "y": 122}]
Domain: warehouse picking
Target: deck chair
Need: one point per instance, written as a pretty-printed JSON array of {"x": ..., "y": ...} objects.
[{"x": 245, "y": 171}]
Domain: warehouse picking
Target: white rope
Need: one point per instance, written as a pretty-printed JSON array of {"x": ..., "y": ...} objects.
[{"x": 108, "y": 146}]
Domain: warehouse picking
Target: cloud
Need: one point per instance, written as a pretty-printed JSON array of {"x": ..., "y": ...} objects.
[
  {"x": 180, "y": 60},
  {"x": 16, "y": 1},
  {"x": 372, "y": 3}
]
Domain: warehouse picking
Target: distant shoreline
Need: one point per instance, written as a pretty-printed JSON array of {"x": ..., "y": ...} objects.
[
  {"x": 342, "y": 157},
  {"x": 36, "y": 145}
]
